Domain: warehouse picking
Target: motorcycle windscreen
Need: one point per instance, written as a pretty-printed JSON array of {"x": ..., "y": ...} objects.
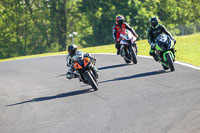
[
  {"x": 124, "y": 37},
  {"x": 127, "y": 35},
  {"x": 164, "y": 42},
  {"x": 124, "y": 42}
]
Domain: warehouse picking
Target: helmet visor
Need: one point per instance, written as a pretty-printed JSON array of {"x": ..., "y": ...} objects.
[
  {"x": 120, "y": 22},
  {"x": 71, "y": 52},
  {"x": 154, "y": 24}
]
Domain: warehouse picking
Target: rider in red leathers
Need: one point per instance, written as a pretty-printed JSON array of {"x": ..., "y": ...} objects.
[{"x": 119, "y": 27}]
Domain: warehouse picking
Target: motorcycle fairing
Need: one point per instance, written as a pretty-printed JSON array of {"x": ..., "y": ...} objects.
[
  {"x": 86, "y": 61},
  {"x": 77, "y": 66}
]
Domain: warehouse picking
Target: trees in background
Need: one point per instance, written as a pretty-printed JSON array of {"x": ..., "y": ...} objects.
[
  {"x": 32, "y": 27},
  {"x": 38, "y": 26}
]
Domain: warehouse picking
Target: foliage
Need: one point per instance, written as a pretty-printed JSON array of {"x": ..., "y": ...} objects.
[{"x": 39, "y": 26}]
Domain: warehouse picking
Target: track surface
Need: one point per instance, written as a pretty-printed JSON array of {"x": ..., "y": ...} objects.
[{"x": 35, "y": 97}]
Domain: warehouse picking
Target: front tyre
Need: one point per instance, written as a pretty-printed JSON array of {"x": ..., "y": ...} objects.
[
  {"x": 91, "y": 81},
  {"x": 165, "y": 67},
  {"x": 124, "y": 54},
  {"x": 133, "y": 55},
  {"x": 170, "y": 61}
]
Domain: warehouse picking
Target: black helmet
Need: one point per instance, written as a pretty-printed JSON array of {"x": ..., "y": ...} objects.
[
  {"x": 120, "y": 20},
  {"x": 154, "y": 22},
  {"x": 72, "y": 49}
]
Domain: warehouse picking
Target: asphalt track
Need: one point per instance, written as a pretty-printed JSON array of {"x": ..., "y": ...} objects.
[{"x": 35, "y": 97}]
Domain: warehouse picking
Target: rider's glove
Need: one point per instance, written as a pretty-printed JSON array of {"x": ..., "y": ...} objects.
[
  {"x": 153, "y": 45},
  {"x": 116, "y": 40},
  {"x": 136, "y": 35},
  {"x": 174, "y": 41}
]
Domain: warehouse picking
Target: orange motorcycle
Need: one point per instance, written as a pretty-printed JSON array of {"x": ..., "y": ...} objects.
[{"x": 85, "y": 71}]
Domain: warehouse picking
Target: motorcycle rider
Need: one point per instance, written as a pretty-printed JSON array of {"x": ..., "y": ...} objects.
[
  {"x": 154, "y": 31},
  {"x": 73, "y": 53},
  {"x": 118, "y": 28}
]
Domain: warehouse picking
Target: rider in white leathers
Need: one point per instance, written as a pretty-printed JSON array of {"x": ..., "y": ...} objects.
[{"x": 73, "y": 53}]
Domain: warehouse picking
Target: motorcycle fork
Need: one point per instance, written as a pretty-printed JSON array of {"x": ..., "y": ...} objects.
[{"x": 170, "y": 52}]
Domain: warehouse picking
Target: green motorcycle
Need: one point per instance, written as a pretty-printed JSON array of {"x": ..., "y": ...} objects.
[{"x": 164, "y": 50}]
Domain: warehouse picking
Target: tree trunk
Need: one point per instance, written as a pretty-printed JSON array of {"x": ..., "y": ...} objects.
[
  {"x": 53, "y": 19},
  {"x": 62, "y": 25}
]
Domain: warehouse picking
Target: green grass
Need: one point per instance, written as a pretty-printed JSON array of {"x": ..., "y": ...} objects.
[
  {"x": 32, "y": 56},
  {"x": 188, "y": 50}
]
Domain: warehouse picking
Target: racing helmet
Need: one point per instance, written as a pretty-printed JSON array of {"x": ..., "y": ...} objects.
[
  {"x": 154, "y": 22},
  {"x": 120, "y": 20},
  {"x": 72, "y": 49}
]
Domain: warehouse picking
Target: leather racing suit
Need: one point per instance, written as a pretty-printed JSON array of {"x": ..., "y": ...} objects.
[
  {"x": 117, "y": 29},
  {"x": 155, "y": 32}
]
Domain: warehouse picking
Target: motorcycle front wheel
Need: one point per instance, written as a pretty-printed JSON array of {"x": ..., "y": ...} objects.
[
  {"x": 126, "y": 55},
  {"x": 133, "y": 55},
  {"x": 170, "y": 62},
  {"x": 91, "y": 81}
]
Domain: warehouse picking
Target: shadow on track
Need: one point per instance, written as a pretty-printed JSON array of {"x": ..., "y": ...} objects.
[
  {"x": 62, "y": 95},
  {"x": 61, "y": 75},
  {"x": 102, "y": 68},
  {"x": 136, "y": 76},
  {"x": 113, "y": 66}
]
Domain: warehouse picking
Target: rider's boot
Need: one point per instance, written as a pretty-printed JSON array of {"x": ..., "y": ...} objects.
[
  {"x": 117, "y": 46},
  {"x": 152, "y": 53},
  {"x": 118, "y": 51},
  {"x": 71, "y": 75}
]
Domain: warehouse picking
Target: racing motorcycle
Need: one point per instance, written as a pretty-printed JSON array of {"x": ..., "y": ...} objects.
[
  {"x": 85, "y": 71},
  {"x": 164, "y": 50},
  {"x": 128, "y": 49}
]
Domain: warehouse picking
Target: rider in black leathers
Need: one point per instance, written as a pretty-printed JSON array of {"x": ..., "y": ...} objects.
[{"x": 154, "y": 31}]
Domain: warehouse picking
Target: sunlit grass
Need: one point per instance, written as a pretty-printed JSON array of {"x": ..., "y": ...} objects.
[{"x": 188, "y": 49}]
